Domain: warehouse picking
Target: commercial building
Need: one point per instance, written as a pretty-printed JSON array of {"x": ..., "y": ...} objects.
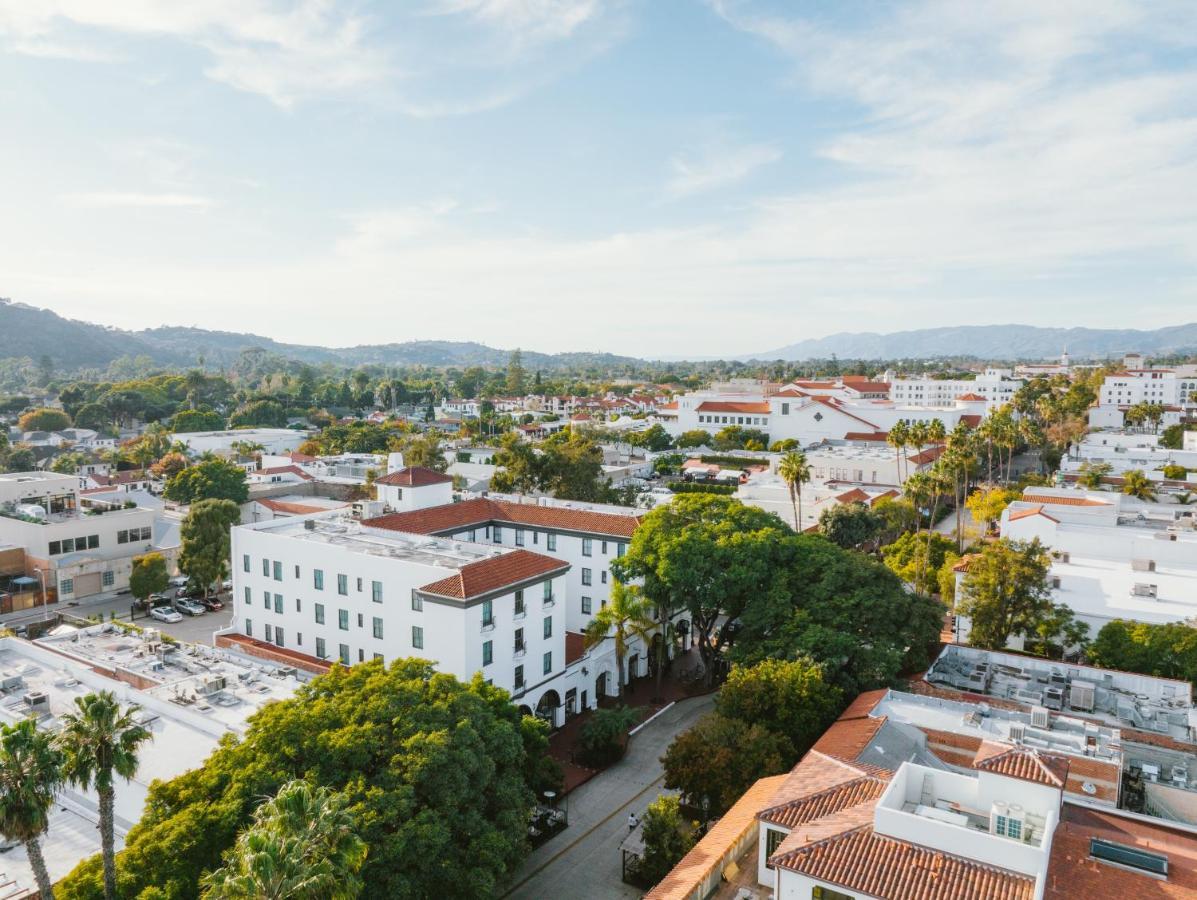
[
  {"x": 77, "y": 544},
  {"x": 272, "y": 440},
  {"x": 955, "y": 790}
]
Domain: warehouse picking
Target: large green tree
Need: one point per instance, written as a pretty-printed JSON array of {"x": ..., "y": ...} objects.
[
  {"x": 302, "y": 845},
  {"x": 30, "y": 776},
  {"x": 852, "y": 526},
  {"x": 204, "y": 541},
  {"x": 44, "y": 419},
  {"x": 440, "y": 776},
  {"x": 209, "y": 479},
  {"x": 1167, "y": 651},
  {"x": 101, "y": 741},
  {"x": 918, "y": 560},
  {"x": 667, "y": 838},
  {"x": 149, "y": 576},
  {"x": 1006, "y": 592},
  {"x": 197, "y": 420}
]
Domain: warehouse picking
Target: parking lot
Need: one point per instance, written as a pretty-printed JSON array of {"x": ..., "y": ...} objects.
[{"x": 196, "y": 630}]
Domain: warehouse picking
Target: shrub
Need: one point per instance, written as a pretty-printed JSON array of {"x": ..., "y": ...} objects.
[{"x": 603, "y": 740}]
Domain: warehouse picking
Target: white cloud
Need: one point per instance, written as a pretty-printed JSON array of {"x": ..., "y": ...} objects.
[
  {"x": 118, "y": 199},
  {"x": 717, "y": 166}
]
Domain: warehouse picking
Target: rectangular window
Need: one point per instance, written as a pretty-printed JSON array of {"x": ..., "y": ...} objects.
[
  {"x": 321, "y": 652},
  {"x": 297, "y": 571},
  {"x": 488, "y": 653},
  {"x": 93, "y": 540},
  {"x": 343, "y": 585},
  {"x": 344, "y": 654},
  {"x": 818, "y": 892},
  {"x": 519, "y": 537},
  {"x": 299, "y": 638},
  {"x": 378, "y": 656},
  {"x": 488, "y": 613},
  {"x": 376, "y": 591},
  {"x": 550, "y": 541},
  {"x": 535, "y": 537},
  {"x": 319, "y": 613},
  {"x": 417, "y": 637},
  {"x": 122, "y": 537},
  {"x": 548, "y": 662},
  {"x": 548, "y": 626},
  {"x": 278, "y": 603},
  {"x": 298, "y": 605},
  {"x": 108, "y": 579},
  {"x": 343, "y": 619},
  {"x": 266, "y": 600},
  {"x": 245, "y": 562},
  {"x": 318, "y": 579},
  {"x": 519, "y": 602},
  {"x": 604, "y": 548},
  {"x": 519, "y": 677},
  {"x": 603, "y": 576},
  {"x": 417, "y": 602},
  {"x": 498, "y": 530},
  {"x": 519, "y": 640},
  {"x": 773, "y": 839},
  {"x": 359, "y": 585},
  {"x": 278, "y": 570},
  {"x": 269, "y": 634},
  {"x": 68, "y": 585},
  {"x": 278, "y": 636},
  {"x": 56, "y": 546},
  {"x": 585, "y": 606},
  {"x": 248, "y": 597},
  {"x": 378, "y": 628},
  {"x": 266, "y": 567},
  {"x": 586, "y": 577},
  {"x": 360, "y": 620},
  {"x": 587, "y": 546},
  {"x": 249, "y": 628},
  {"x": 361, "y": 655},
  {"x": 548, "y": 591},
  {"x": 68, "y": 545}
]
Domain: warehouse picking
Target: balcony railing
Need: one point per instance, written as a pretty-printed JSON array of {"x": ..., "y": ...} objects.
[
  {"x": 488, "y": 625},
  {"x": 519, "y": 651},
  {"x": 520, "y": 612},
  {"x": 549, "y": 601}
]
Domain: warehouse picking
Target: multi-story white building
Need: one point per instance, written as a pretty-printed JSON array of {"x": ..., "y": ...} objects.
[
  {"x": 273, "y": 440},
  {"x": 995, "y": 386},
  {"x": 488, "y": 585},
  {"x": 76, "y": 544},
  {"x": 1173, "y": 389},
  {"x": 1129, "y": 450}
]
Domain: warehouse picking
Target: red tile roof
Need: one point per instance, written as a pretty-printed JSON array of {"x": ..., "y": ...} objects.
[
  {"x": 928, "y": 456},
  {"x": 1027, "y": 513},
  {"x": 972, "y": 421},
  {"x": 484, "y": 576},
  {"x": 280, "y": 470},
  {"x": 1023, "y": 763},
  {"x": 414, "y": 476},
  {"x": 297, "y": 509},
  {"x": 1057, "y": 500},
  {"x": 866, "y": 436},
  {"x": 856, "y": 495},
  {"x": 730, "y": 407},
  {"x": 575, "y": 646},
  {"x": 825, "y": 803},
  {"x": 832, "y": 404},
  {"x": 862, "y": 860},
  {"x": 480, "y": 511},
  {"x": 970, "y": 398}
]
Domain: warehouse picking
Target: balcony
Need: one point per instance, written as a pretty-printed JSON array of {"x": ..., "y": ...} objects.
[
  {"x": 520, "y": 612},
  {"x": 549, "y": 602},
  {"x": 519, "y": 651},
  {"x": 488, "y": 625}
]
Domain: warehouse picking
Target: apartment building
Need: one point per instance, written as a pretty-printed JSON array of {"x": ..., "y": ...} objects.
[
  {"x": 1113, "y": 556},
  {"x": 1123, "y": 450},
  {"x": 1174, "y": 389},
  {"x": 76, "y": 544},
  {"x": 959, "y": 788},
  {"x": 995, "y": 386}
]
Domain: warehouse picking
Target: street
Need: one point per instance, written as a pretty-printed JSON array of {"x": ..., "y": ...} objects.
[
  {"x": 196, "y": 630},
  {"x": 583, "y": 862}
]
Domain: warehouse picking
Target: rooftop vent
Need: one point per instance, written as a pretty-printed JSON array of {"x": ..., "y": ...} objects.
[
  {"x": 1141, "y": 589},
  {"x": 1129, "y": 857},
  {"x": 1041, "y": 717}
]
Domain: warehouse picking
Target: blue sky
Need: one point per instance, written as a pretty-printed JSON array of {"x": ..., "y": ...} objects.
[{"x": 669, "y": 177}]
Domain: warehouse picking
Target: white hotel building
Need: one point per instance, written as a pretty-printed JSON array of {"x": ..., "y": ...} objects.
[{"x": 485, "y": 585}]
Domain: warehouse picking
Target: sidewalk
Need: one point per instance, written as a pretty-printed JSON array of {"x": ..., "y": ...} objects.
[{"x": 598, "y": 812}]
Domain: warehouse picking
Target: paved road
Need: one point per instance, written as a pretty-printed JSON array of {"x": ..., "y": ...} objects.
[
  {"x": 194, "y": 629},
  {"x": 583, "y": 862}
]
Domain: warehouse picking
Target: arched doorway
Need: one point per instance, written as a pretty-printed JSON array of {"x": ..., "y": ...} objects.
[
  {"x": 548, "y": 708},
  {"x": 525, "y": 710}
]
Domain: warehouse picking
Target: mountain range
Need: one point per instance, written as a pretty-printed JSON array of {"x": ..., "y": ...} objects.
[{"x": 73, "y": 344}]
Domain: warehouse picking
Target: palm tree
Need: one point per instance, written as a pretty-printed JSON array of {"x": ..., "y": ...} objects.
[
  {"x": 627, "y": 615},
  {"x": 302, "y": 845},
  {"x": 897, "y": 438},
  {"x": 30, "y": 775},
  {"x": 1135, "y": 483},
  {"x": 1092, "y": 474},
  {"x": 795, "y": 472},
  {"x": 101, "y": 741}
]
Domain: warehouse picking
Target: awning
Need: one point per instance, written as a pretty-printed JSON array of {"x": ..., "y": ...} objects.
[{"x": 24, "y": 579}]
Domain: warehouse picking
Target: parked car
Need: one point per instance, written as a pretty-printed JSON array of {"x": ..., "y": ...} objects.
[
  {"x": 210, "y": 603},
  {"x": 226, "y": 587},
  {"x": 147, "y": 603},
  {"x": 165, "y": 614},
  {"x": 191, "y": 607}
]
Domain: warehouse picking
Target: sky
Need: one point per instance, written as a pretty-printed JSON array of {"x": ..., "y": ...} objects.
[{"x": 649, "y": 177}]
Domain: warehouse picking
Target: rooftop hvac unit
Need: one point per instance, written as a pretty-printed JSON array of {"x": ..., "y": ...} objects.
[
  {"x": 1180, "y": 776},
  {"x": 11, "y": 683},
  {"x": 1017, "y": 731},
  {"x": 1053, "y": 698},
  {"x": 1055, "y": 582},
  {"x": 213, "y": 684},
  {"x": 309, "y": 524},
  {"x": 1065, "y": 556},
  {"x": 1149, "y": 591},
  {"x": 1081, "y": 695},
  {"x": 1041, "y": 717},
  {"x": 37, "y": 701},
  {"x": 998, "y": 814},
  {"x": 1151, "y": 772},
  {"x": 1142, "y": 565}
]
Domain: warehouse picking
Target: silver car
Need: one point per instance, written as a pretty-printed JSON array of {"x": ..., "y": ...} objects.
[
  {"x": 165, "y": 614},
  {"x": 190, "y": 607}
]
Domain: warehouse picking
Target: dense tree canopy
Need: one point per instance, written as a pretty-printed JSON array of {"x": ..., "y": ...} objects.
[
  {"x": 439, "y": 776},
  {"x": 852, "y": 526},
  {"x": 209, "y": 479},
  {"x": 1167, "y": 651},
  {"x": 204, "y": 541},
  {"x": 1006, "y": 592},
  {"x": 188, "y": 420},
  {"x": 44, "y": 420}
]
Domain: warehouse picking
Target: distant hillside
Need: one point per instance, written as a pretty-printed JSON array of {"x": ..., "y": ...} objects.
[
  {"x": 73, "y": 344},
  {"x": 990, "y": 342}
]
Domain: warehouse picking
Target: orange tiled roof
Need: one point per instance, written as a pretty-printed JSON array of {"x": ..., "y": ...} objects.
[
  {"x": 825, "y": 803},
  {"x": 486, "y": 575},
  {"x": 297, "y": 509},
  {"x": 575, "y": 646},
  {"x": 862, "y": 860},
  {"x": 1057, "y": 500},
  {"x": 480, "y": 511},
  {"x": 970, "y": 397},
  {"x": 732, "y": 407},
  {"x": 1023, "y": 763},
  {"x": 971, "y": 420},
  {"x": 1027, "y": 513},
  {"x": 291, "y": 470},
  {"x": 414, "y": 476},
  {"x": 856, "y": 495}
]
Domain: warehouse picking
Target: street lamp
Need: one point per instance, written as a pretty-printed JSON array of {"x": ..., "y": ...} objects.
[{"x": 45, "y": 599}]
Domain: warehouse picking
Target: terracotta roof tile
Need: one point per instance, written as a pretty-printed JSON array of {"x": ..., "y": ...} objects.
[
  {"x": 825, "y": 803},
  {"x": 486, "y": 575},
  {"x": 297, "y": 509},
  {"x": 575, "y": 646},
  {"x": 480, "y": 511},
  {"x": 862, "y": 860},
  {"x": 1027, "y": 513},
  {"x": 288, "y": 470},
  {"x": 856, "y": 495},
  {"x": 732, "y": 407},
  {"x": 414, "y": 476},
  {"x": 1057, "y": 500},
  {"x": 1023, "y": 763}
]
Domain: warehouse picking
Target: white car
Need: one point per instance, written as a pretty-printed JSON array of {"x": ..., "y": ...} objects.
[{"x": 165, "y": 614}]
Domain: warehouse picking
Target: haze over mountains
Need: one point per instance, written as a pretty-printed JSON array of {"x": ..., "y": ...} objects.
[{"x": 31, "y": 332}]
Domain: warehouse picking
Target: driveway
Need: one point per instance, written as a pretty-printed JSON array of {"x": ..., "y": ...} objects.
[{"x": 583, "y": 862}]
